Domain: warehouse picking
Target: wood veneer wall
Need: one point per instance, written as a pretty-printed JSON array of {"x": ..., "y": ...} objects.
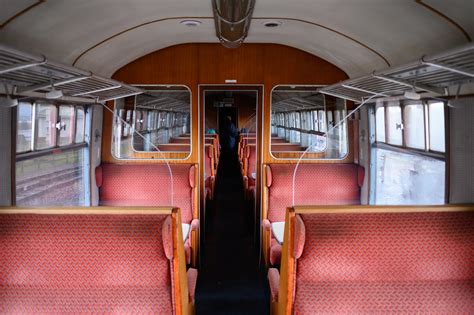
[{"x": 208, "y": 64}]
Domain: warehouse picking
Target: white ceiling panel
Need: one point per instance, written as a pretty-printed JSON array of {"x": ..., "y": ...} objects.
[{"x": 354, "y": 35}]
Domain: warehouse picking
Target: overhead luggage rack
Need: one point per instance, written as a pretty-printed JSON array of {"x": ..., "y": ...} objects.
[
  {"x": 431, "y": 74},
  {"x": 33, "y": 76}
]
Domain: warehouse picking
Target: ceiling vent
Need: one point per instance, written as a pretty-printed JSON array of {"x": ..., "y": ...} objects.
[{"x": 232, "y": 19}]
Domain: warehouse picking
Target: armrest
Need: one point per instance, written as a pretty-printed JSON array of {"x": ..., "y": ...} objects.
[
  {"x": 274, "y": 281},
  {"x": 266, "y": 240},
  {"x": 191, "y": 276},
  {"x": 193, "y": 240}
]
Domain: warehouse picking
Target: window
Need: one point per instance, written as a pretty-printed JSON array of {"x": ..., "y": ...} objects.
[
  {"x": 409, "y": 157},
  {"x": 65, "y": 125},
  {"x": 394, "y": 124},
  {"x": 80, "y": 125},
  {"x": 414, "y": 126},
  {"x": 380, "y": 123},
  {"x": 45, "y": 132},
  {"x": 159, "y": 115},
  {"x": 46, "y": 177},
  {"x": 436, "y": 119},
  {"x": 306, "y": 120},
  {"x": 24, "y": 127}
]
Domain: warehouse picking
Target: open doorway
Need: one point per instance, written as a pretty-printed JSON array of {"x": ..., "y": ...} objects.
[{"x": 231, "y": 190}]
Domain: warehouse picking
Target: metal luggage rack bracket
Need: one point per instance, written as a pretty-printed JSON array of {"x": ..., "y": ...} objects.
[
  {"x": 430, "y": 74},
  {"x": 26, "y": 75}
]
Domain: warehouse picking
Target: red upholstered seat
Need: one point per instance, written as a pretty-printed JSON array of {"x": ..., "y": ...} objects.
[
  {"x": 83, "y": 264},
  {"x": 150, "y": 185},
  {"x": 249, "y": 167},
  {"x": 387, "y": 263},
  {"x": 315, "y": 184},
  {"x": 209, "y": 171}
]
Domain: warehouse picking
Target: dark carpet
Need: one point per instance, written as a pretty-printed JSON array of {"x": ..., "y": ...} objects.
[{"x": 230, "y": 281}]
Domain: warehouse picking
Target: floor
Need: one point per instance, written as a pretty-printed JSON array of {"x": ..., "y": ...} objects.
[{"x": 231, "y": 280}]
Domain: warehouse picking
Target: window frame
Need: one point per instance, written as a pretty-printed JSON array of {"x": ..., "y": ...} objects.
[
  {"x": 34, "y": 152},
  {"x": 404, "y": 148}
]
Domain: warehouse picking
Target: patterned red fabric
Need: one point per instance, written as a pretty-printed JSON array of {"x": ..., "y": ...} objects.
[
  {"x": 315, "y": 184},
  {"x": 387, "y": 263},
  {"x": 167, "y": 237},
  {"x": 98, "y": 176},
  {"x": 147, "y": 185},
  {"x": 83, "y": 264},
  {"x": 180, "y": 140},
  {"x": 300, "y": 237},
  {"x": 274, "y": 282},
  {"x": 275, "y": 251},
  {"x": 192, "y": 275}
]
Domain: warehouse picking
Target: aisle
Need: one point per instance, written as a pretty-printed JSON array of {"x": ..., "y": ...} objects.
[{"x": 230, "y": 281}]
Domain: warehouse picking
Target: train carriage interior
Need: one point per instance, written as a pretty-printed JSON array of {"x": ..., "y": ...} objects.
[{"x": 236, "y": 157}]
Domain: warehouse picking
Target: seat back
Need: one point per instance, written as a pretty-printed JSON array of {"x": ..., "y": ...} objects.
[
  {"x": 149, "y": 185},
  {"x": 209, "y": 160},
  {"x": 315, "y": 184},
  {"x": 182, "y": 140},
  {"x": 174, "y": 147},
  {"x": 401, "y": 262},
  {"x": 250, "y": 160},
  {"x": 84, "y": 263}
]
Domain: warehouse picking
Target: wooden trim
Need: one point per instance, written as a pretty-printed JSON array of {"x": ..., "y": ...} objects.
[
  {"x": 181, "y": 293},
  {"x": 381, "y": 209},
  {"x": 447, "y": 18},
  {"x": 17, "y": 15},
  {"x": 87, "y": 211},
  {"x": 287, "y": 269}
]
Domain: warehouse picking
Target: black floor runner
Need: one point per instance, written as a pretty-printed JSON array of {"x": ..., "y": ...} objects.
[{"x": 230, "y": 279}]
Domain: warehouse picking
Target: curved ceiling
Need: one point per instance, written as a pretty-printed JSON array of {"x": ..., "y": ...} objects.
[{"x": 357, "y": 36}]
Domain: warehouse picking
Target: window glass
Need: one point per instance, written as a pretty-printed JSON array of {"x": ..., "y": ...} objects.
[
  {"x": 307, "y": 114},
  {"x": 159, "y": 115},
  {"x": 45, "y": 133},
  {"x": 380, "y": 123},
  {"x": 24, "y": 127},
  {"x": 66, "y": 125},
  {"x": 80, "y": 124},
  {"x": 408, "y": 179},
  {"x": 51, "y": 180},
  {"x": 394, "y": 124},
  {"x": 436, "y": 127},
  {"x": 322, "y": 121},
  {"x": 414, "y": 126}
]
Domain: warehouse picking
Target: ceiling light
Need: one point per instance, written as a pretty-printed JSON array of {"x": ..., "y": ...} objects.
[
  {"x": 272, "y": 24},
  {"x": 412, "y": 95},
  {"x": 191, "y": 23},
  {"x": 8, "y": 102},
  {"x": 54, "y": 94},
  {"x": 232, "y": 20}
]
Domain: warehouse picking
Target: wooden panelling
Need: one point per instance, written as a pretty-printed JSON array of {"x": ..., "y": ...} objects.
[{"x": 194, "y": 64}]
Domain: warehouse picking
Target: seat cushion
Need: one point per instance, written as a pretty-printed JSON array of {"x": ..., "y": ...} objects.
[{"x": 367, "y": 297}]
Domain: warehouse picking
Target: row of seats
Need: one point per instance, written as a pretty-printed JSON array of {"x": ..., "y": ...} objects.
[
  {"x": 94, "y": 261},
  {"x": 154, "y": 185},
  {"x": 314, "y": 184},
  {"x": 375, "y": 260}
]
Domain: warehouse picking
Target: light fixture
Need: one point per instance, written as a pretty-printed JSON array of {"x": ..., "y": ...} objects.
[
  {"x": 232, "y": 20},
  {"x": 412, "y": 95},
  {"x": 54, "y": 94},
  {"x": 8, "y": 101},
  {"x": 272, "y": 24},
  {"x": 190, "y": 23}
]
